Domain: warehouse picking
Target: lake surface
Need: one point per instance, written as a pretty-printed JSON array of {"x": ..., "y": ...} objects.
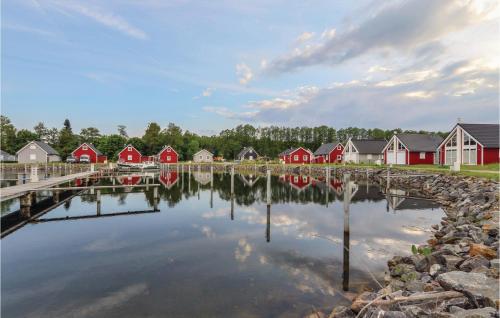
[{"x": 189, "y": 254}]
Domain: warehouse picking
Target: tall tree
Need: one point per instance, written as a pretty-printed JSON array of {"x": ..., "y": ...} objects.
[
  {"x": 24, "y": 136},
  {"x": 122, "y": 131},
  {"x": 8, "y": 135},
  {"x": 67, "y": 140},
  {"x": 89, "y": 134},
  {"x": 41, "y": 131},
  {"x": 151, "y": 138}
]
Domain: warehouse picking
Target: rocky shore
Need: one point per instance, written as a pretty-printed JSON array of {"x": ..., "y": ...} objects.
[{"x": 456, "y": 274}]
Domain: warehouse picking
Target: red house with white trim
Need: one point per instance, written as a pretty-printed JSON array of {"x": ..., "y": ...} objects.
[
  {"x": 329, "y": 153},
  {"x": 130, "y": 154},
  {"x": 168, "y": 155},
  {"x": 471, "y": 144},
  {"x": 298, "y": 182},
  {"x": 412, "y": 149},
  {"x": 298, "y": 155},
  {"x": 130, "y": 180},
  {"x": 88, "y": 150}
]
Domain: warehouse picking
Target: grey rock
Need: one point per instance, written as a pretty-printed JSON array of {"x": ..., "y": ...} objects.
[
  {"x": 474, "y": 284},
  {"x": 487, "y": 312},
  {"x": 474, "y": 262},
  {"x": 435, "y": 270},
  {"x": 495, "y": 263},
  {"x": 415, "y": 312},
  {"x": 342, "y": 312},
  {"x": 451, "y": 261}
]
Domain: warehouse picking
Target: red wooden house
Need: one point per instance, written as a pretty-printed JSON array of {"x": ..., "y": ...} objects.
[
  {"x": 412, "y": 149},
  {"x": 130, "y": 180},
  {"x": 329, "y": 153},
  {"x": 298, "y": 155},
  {"x": 169, "y": 178},
  {"x": 168, "y": 155},
  {"x": 471, "y": 144},
  {"x": 298, "y": 182},
  {"x": 88, "y": 150},
  {"x": 130, "y": 154}
]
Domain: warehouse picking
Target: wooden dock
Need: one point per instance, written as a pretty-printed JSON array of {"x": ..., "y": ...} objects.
[{"x": 8, "y": 193}]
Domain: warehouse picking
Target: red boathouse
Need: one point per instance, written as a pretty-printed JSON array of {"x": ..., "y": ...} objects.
[
  {"x": 89, "y": 151},
  {"x": 298, "y": 155},
  {"x": 168, "y": 155},
  {"x": 130, "y": 154},
  {"x": 329, "y": 153}
]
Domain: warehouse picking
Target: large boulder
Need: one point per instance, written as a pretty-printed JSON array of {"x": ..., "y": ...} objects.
[{"x": 477, "y": 285}]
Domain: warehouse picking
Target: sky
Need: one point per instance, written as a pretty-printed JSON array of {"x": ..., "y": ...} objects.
[{"x": 209, "y": 65}]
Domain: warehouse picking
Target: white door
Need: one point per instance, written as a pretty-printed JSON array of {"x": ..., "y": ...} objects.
[
  {"x": 401, "y": 157},
  {"x": 391, "y": 158}
]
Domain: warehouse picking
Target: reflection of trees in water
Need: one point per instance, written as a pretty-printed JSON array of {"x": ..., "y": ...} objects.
[
  {"x": 244, "y": 194},
  {"x": 6, "y": 205}
]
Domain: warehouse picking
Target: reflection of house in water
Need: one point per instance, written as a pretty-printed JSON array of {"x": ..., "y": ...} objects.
[
  {"x": 365, "y": 192},
  {"x": 168, "y": 178},
  {"x": 398, "y": 201},
  {"x": 202, "y": 178},
  {"x": 248, "y": 180},
  {"x": 296, "y": 181},
  {"x": 129, "y": 180}
]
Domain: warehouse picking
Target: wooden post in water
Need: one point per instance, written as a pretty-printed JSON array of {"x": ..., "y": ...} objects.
[
  {"x": 388, "y": 182},
  {"x": 347, "y": 202},
  {"x": 55, "y": 196},
  {"x": 189, "y": 179},
  {"x": 155, "y": 198},
  {"x": 26, "y": 202},
  {"x": 327, "y": 185},
  {"x": 211, "y": 187},
  {"x": 232, "y": 192},
  {"x": 98, "y": 200},
  {"x": 268, "y": 201}
]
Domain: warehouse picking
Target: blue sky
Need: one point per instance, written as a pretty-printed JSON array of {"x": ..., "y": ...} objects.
[{"x": 211, "y": 65}]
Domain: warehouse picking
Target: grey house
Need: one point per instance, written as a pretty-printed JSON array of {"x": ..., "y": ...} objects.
[
  {"x": 247, "y": 153},
  {"x": 37, "y": 152},
  {"x": 203, "y": 156},
  {"x": 364, "y": 150},
  {"x": 6, "y": 157}
]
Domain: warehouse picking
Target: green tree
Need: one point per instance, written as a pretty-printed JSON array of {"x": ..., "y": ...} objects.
[
  {"x": 67, "y": 140},
  {"x": 41, "y": 131},
  {"x": 24, "y": 136},
  {"x": 110, "y": 145},
  {"x": 89, "y": 134},
  {"x": 152, "y": 139},
  {"x": 7, "y": 135},
  {"x": 139, "y": 144},
  {"x": 122, "y": 131}
]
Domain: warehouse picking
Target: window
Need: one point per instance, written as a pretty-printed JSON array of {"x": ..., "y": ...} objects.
[
  {"x": 369, "y": 156},
  {"x": 304, "y": 157},
  {"x": 304, "y": 179},
  {"x": 32, "y": 146},
  {"x": 339, "y": 147},
  {"x": 339, "y": 157},
  {"x": 129, "y": 148},
  {"x": 129, "y": 157},
  {"x": 208, "y": 157},
  {"x": 296, "y": 158},
  {"x": 295, "y": 179},
  {"x": 391, "y": 147},
  {"x": 168, "y": 149},
  {"x": 33, "y": 156},
  {"x": 201, "y": 157},
  {"x": 401, "y": 146},
  {"x": 84, "y": 147},
  {"x": 422, "y": 155},
  {"x": 169, "y": 158}
]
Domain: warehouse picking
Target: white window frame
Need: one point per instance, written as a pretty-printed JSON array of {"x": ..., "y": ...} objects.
[
  {"x": 295, "y": 157},
  {"x": 169, "y": 158},
  {"x": 32, "y": 156},
  {"x": 129, "y": 157},
  {"x": 296, "y": 179},
  {"x": 339, "y": 157},
  {"x": 304, "y": 157},
  {"x": 85, "y": 147},
  {"x": 339, "y": 147},
  {"x": 422, "y": 155},
  {"x": 32, "y": 146},
  {"x": 129, "y": 148},
  {"x": 208, "y": 157}
]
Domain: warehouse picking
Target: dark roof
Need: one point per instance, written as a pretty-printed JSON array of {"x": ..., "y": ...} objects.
[
  {"x": 245, "y": 150},
  {"x": 286, "y": 152},
  {"x": 369, "y": 145},
  {"x": 420, "y": 142},
  {"x": 486, "y": 134},
  {"x": 48, "y": 149},
  {"x": 325, "y": 149}
]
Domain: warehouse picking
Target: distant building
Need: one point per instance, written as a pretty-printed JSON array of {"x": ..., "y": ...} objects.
[
  {"x": 412, "y": 149},
  {"x": 168, "y": 155},
  {"x": 88, "y": 150},
  {"x": 298, "y": 155},
  {"x": 130, "y": 154},
  {"x": 37, "y": 152},
  {"x": 247, "y": 153},
  {"x": 329, "y": 153},
  {"x": 471, "y": 144},
  {"x": 203, "y": 156},
  {"x": 364, "y": 150},
  {"x": 6, "y": 157}
]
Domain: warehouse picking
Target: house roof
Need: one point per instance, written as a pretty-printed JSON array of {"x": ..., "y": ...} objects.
[
  {"x": 245, "y": 150},
  {"x": 165, "y": 147},
  {"x": 292, "y": 150},
  {"x": 45, "y": 147},
  {"x": 97, "y": 152},
  {"x": 204, "y": 151},
  {"x": 325, "y": 149},
  {"x": 420, "y": 142},
  {"x": 5, "y": 153},
  {"x": 486, "y": 134},
  {"x": 129, "y": 145},
  {"x": 369, "y": 145}
]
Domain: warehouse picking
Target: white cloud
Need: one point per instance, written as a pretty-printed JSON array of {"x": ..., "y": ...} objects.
[
  {"x": 208, "y": 92},
  {"x": 304, "y": 37},
  {"x": 243, "y": 250},
  {"x": 244, "y": 73},
  {"x": 100, "y": 16}
]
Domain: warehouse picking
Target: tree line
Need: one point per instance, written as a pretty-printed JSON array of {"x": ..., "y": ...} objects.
[{"x": 267, "y": 141}]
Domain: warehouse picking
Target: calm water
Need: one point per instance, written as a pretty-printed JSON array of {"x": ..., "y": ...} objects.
[{"x": 195, "y": 257}]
